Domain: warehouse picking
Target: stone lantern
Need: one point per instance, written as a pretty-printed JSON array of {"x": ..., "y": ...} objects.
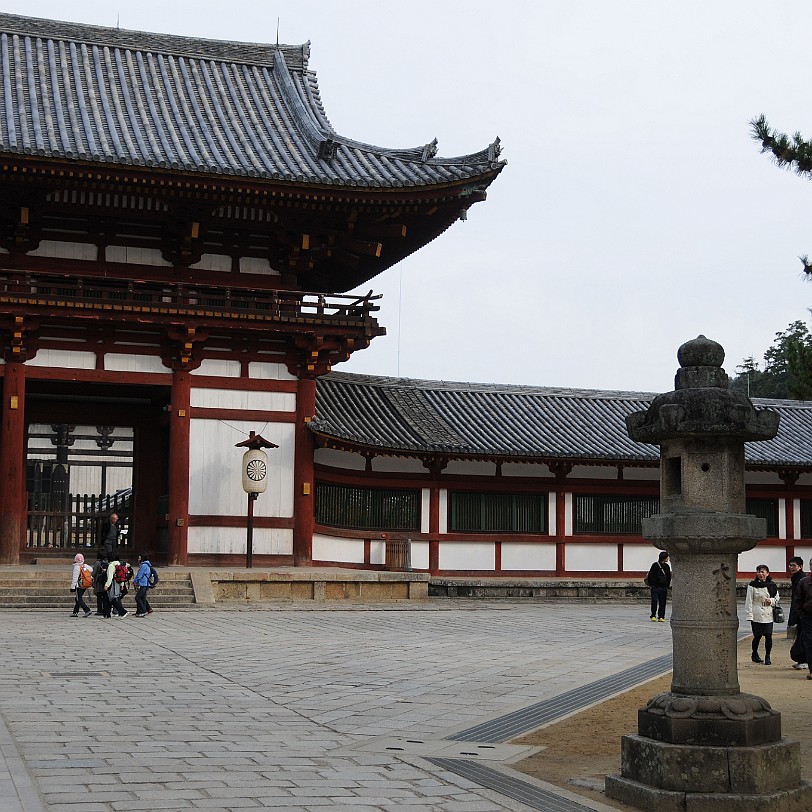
[{"x": 706, "y": 745}]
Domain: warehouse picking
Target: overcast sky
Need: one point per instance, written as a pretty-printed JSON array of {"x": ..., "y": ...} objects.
[{"x": 635, "y": 211}]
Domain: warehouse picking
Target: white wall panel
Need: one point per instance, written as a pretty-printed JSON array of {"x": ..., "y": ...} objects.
[
  {"x": 761, "y": 478},
  {"x": 118, "y": 362},
  {"x": 593, "y": 472},
  {"x": 470, "y": 468},
  {"x": 334, "y": 458},
  {"x": 215, "y": 477},
  {"x": 222, "y": 540},
  {"x": 425, "y": 507},
  {"x": 136, "y": 256},
  {"x": 567, "y": 514},
  {"x": 782, "y": 518},
  {"x": 467, "y": 555},
  {"x": 66, "y": 250},
  {"x": 420, "y": 555},
  {"x": 213, "y": 262},
  {"x": 796, "y": 518},
  {"x": 239, "y": 399},
  {"x": 552, "y": 514},
  {"x": 806, "y": 554},
  {"x": 774, "y": 557},
  {"x": 331, "y": 548},
  {"x": 530, "y": 469},
  {"x": 590, "y": 557},
  {"x": 397, "y": 465},
  {"x": 639, "y": 557},
  {"x": 530, "y": 556},
  {"x": 67, "y": 359},
  {"x": 218, "y": 367},
  {"x": 257, "y": 265},
  {"x": 267, "y": 371},
  {"x": 377, "y": 552},
  {"x": 443, "y": 510},
  {"x": 641, "y": 474}
]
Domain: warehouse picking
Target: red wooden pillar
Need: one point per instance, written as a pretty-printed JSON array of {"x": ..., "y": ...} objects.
[
  {"x": 434, "y": 530},
  {"x": 177, "y": 554},
  {"x": 12, "y": 463},
  {"x": 560, "y": 531},
  {"x": 304, "y": 519}
]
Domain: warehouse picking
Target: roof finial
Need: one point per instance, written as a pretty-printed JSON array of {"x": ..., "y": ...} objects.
[{"x": 277, "y": 32}]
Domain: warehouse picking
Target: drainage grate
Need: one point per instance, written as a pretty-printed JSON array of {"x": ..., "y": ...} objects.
[
  {"x": 514, "y": 724},
  {"x": 533, "y": 796}
]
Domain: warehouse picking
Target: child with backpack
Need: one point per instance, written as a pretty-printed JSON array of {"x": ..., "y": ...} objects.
[
  {"x": 80, "y": 580},
  {"x": 118, "y": 574},
  {"x": 146, "y": 578}
]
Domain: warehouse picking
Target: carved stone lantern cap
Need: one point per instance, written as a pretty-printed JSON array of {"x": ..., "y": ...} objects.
[{"x": 701, "y": 404}]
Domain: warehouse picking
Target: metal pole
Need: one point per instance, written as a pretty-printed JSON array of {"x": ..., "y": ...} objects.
[{"x": 249, "y": 543}]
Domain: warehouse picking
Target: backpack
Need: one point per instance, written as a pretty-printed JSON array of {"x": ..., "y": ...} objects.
[
  {"x": 122, "y": 574},
  {"x": 85, "y": 578},
  {"x": 645, "y": 581},
  {"x": 152, "y": 578}
]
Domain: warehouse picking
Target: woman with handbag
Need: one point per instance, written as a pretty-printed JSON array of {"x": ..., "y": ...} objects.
[{"x": 762, "y": 596}]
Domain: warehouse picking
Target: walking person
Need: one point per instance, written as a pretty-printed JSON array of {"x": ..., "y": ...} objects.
[
  {"x": 659, "y": 579},
  {"x": 99, "y": 579},
  {"x": 115, "y": 590},
  {"x": 803, "y": 606},
  {"x": 143, "y": 581},
  {"x": 109, "y": 536},
  {"x": 762, "y": 595},
  {"x": 81, "y": 578},
  {"x": 797, "y": 652}
]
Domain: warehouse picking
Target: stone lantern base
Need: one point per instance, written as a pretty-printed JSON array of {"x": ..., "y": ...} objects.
[{"x": 694, "y": 778}]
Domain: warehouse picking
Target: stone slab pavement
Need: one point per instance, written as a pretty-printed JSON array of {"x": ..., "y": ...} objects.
[{"x": 276, "y": 707}]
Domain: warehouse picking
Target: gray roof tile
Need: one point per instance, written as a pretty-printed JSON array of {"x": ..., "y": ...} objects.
[
  {"x": 108, "y": 95},
  {"x": 526, "y": 422}
]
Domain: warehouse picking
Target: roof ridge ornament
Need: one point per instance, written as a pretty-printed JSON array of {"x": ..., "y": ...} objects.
[
  {"x": 494, "y": 150},
  {"x": 328, "y": 149},
  {"x": 429, "y": 151}
]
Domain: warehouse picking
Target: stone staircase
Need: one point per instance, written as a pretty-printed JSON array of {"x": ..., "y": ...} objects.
[{"x": 48, "y": 587}]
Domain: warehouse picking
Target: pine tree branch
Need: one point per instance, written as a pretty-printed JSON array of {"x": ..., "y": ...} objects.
[{"x": 791, "y": 152}]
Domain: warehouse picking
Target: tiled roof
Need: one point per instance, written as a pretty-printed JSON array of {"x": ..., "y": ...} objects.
[
  {"x": 107, "y": 95},
  {"x": 526, "y": 422}
]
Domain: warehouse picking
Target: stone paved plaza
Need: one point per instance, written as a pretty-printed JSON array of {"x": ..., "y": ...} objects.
[{"x": 284, "y": 707}]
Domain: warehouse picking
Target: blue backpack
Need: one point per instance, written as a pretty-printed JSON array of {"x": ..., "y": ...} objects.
[{"x": 152, "y": 578}]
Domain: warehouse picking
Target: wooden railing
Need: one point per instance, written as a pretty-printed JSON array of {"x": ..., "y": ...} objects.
[
  {"x": 94, "y": 293},
  {"x": 71, "y": 521}
]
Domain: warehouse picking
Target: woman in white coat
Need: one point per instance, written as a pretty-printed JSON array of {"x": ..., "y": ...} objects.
[{"x": 762, "y": 595}]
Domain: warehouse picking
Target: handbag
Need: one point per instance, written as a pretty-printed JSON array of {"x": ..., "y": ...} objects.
[{"x": 778, "y": 614}]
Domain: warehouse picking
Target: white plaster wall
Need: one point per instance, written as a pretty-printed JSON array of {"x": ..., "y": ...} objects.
[
  {"x": 443, "y": 510},
  {"x": 136, "y": 256},
  {"x": 590, "y": 557},
  {"x": 118, "y": 362},
  {"x": 265, "y": 370},
  {"x": 567, "y": 514},
  {"x": 528, "y": 556},
  {"x": 425, "y": 507},
  {"x": 774, "y": 557},
  {"x": 339, "y": 459},
  {"x": 68, "y": 359},
  {"x": 805, "y": 479},
  {"x": 782, "y": 518},
  {"x": 213, "y": 262},
  {"x": 215, "y": 476},
  {"x": 397, "y": 465},
  {"x": 332, "y": 548},
  {"x": 420, "y": 555},
  {"x": 805, "y": 553},
  {"x": 66, "y": 250},
  {"x": 222, "y": 540},
  {"x": 239, "y": 399},
  {"x": 551, "y": 514},
  {"x": 761, "y": 478},
  {"x": 534, "y": 469},
  {"x": 796, "y": 517},
  {"x": 465, "y": 555},
  {"x": 218, "y": 367},
  {"x": 257, "y": 265},
  {"x": 377, "y": 552},
  {"x": 639, "y": 556},
  {"x": 470, "y": 467},
  {"x": 641, "y": 474},
  {"x": 593, "y": 472}
]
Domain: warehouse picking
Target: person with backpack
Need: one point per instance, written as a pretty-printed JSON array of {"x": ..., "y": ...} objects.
[
  {"x": 116, "y": 586},
  {"x": 145, "y": 579},
  {"x": 80, "y": 580},
  {"x": 658, "y": 581},
  {"x": 99, "y": 578}
]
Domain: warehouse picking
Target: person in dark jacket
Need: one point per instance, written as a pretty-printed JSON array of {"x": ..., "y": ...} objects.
[
  {"x": 796, "y": 570},
  {"x": 659, "y": 579},
  {"x": 99, "y": 578},
  {"x": 803, "y": 607},
  {"x": 109, "y": 536}
]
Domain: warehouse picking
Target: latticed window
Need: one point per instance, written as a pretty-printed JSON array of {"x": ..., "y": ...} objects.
[
  {"x": 498, "y": 512},
  {"x": 367, "y": 508},
  {"x": 806, "y": 518},
  {"x": 767, "y": 509},
  {"x": 596, "y": 513}
]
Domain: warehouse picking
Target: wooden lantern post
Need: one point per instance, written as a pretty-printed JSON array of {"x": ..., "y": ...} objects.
[{"x": 254, "y": 482}]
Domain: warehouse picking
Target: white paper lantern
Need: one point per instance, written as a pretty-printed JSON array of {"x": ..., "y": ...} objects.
[{"x": 254, "y": 471}]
